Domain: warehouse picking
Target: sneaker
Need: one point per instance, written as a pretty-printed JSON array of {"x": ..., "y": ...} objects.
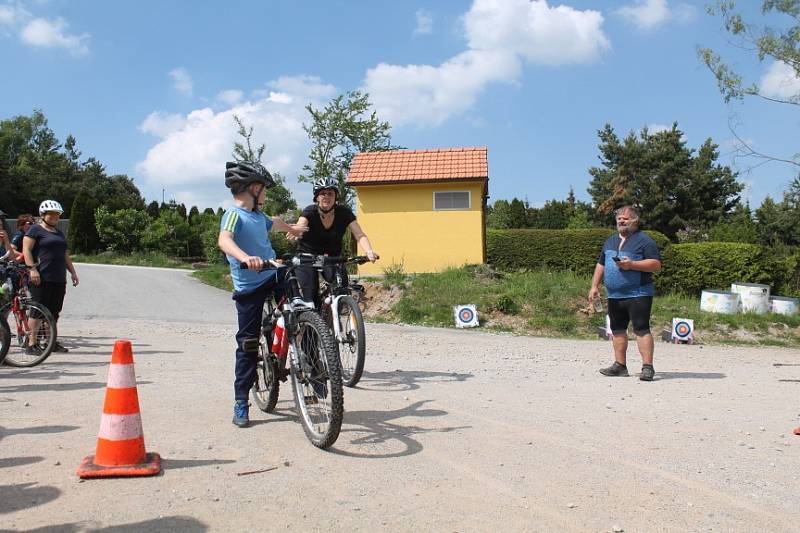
[
  {"x": 647, "y": 373},
  {"x": 33, "y": 350},
  {"x": 615, "y": 370},
  {"x": 241, "y": 413},
  {"x": 58, "y": 347}
]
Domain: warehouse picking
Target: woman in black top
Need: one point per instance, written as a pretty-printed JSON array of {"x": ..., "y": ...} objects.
[
  {"x": 327, "y": 224},
  {"x": 46, "y": 245}
]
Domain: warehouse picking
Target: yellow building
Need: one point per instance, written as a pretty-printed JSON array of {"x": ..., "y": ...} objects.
[{"x": 424, "y": 209}]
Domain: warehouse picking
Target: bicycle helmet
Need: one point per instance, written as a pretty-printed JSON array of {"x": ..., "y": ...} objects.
[
  {"x": 50, "y": 206},
  {"x": 240, "y": 174},
  {"x": 325, "y": 183}
]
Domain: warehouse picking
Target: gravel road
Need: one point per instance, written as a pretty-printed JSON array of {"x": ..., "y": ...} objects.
[{"x": 449, "y": 430}]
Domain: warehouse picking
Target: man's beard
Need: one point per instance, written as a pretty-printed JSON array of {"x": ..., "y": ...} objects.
[{"x": 624, "y": 230}]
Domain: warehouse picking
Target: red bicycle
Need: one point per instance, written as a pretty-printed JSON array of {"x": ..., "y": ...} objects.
[{"x": 31, "y": 326}]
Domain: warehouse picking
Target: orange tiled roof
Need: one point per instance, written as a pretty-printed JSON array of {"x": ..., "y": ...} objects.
[{"x": 409, "y": 166}]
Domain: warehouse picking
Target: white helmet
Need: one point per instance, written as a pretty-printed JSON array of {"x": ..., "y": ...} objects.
[{"x": 49, "y": 206}]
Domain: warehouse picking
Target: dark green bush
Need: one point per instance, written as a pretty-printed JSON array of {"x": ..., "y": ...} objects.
[
  {"x": 689, "y": 268},
  {"x": 575, "y": 249}
]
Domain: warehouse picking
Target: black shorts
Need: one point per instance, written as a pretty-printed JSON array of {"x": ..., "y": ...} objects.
[
  {"x": 50, "y": 294},
  {"x": 633, "y": 310}
]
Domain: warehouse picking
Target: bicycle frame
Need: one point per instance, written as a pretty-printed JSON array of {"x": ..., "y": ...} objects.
[{"x": 19, "y": 292}]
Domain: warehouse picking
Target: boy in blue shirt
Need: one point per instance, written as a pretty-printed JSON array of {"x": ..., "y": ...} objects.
[{"x": 244, "y": 240}]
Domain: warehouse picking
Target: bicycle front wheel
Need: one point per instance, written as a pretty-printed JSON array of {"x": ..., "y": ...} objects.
[
  {"x": 352, "y": 340},
  {"x": 266, "y": 387},
  {"x": 22, "y": 352},
  {"x": 317, "y": 380}
]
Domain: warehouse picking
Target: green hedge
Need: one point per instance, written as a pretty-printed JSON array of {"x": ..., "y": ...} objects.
[
  {"x": 690, "y": 268},
  {"x": 576, "y": 249}
]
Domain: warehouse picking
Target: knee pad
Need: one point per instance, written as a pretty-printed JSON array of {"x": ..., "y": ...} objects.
[{"x": 250, "y": 345}]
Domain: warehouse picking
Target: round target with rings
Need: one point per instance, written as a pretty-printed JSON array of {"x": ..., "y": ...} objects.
[
  {"x": 683, "y": 329},
  {"x": 466, "y": 315}
]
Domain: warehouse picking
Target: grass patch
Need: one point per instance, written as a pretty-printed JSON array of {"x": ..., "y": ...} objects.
[
  {"x": 554, "y": 304},
  {"x": 147, "y": 259},
  {"x": 217, "y": 275}
]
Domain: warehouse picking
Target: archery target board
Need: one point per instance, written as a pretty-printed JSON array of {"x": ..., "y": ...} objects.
[
  {"x": 466, "y": 316},
  {"x": 682, "y": 329}
]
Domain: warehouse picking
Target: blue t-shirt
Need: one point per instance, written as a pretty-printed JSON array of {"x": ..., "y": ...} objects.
[
  {"x": 249, "y": 230},
  {"x": 628, "y": 283}
]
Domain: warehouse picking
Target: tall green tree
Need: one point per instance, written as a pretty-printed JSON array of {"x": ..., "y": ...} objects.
[
  {"x": 675, "y": 186},
  {"x": 776, "y": 38},
  {"x": 83, "y": 236},
  {"x": 343, "y": 128},
  {"x": 279, "y": 199},
  {"x": 35, "y": 166}
]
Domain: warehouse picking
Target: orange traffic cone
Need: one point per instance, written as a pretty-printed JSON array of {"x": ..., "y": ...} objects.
[
  {"x": 120, "y": 443},
  {"x": 797, "y": 430}
]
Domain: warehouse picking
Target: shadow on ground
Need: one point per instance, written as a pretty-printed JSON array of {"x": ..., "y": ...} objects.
[{"x": 406, "y": 380}]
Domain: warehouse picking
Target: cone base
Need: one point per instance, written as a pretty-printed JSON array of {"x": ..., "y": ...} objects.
[{"x": 150, "y": 467}]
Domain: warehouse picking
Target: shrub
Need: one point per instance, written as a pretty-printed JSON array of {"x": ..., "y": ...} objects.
[
  {"x": 121, "y": 231},
  {"x": 689, "y": 268},
  {"x": 82, "y": 234},
  {"x": 169, "y": 233},
  {"x": 575, "y": 249}
]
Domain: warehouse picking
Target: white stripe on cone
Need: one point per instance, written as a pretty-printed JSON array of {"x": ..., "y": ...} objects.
[
  {"x": 120, "y": 427},
  {"x": 121, "y": 376}
]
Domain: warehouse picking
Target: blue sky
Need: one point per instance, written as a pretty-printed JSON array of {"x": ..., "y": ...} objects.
[{"x": 150, "y": 87}]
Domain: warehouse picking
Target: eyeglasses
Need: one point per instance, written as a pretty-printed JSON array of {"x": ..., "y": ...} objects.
[{"x": 326, "y": 193}]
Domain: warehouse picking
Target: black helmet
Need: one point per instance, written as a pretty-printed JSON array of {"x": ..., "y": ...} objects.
[
  {"x": 325, "y": 183},
  {"x": 238, "y": 175}
]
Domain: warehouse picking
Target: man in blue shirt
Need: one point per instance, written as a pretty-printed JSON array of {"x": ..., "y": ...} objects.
[
  {"x": 243, "y": 236},
  {"x": 625, "y": 266}
]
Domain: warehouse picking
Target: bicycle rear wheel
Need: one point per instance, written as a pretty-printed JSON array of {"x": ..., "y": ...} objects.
[
  {"x": 317, "y": 380},
  {"x": 266, "y": 388},
  {"x": 5, "y": 339},
  {"x": 21, "y": 352},
  {"x": 352, "y": 340}
]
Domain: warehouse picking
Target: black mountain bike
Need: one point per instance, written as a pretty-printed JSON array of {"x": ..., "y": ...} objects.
[
  {"x": 342, "y": 312},
  {"x": 293, "y": 333}
]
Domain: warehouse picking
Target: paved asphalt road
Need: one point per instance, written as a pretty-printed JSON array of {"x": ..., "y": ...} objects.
[{"x": 449, "y": 430}]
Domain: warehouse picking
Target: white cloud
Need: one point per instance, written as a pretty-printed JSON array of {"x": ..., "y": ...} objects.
[
  {"x": 781, "y": 81},
  {"x": 655, "y": 128},
  {"x": 648, "y": 14},
  {"x": 541, "y": 34},
  {"x": 230, "y": 96},
  {"x": 428, "y": 95},
  {"x": 500, "y": 34},
  {"x": 182, "y": 81},
  {"x": 47, "y": 33},
  {"x": 280, "y": 98},
  {"x": 11, "y": 15},
  {"x": 189, "y": 157},
  {"x": 424, "y": 22},
  {"x": 162, "y": 124}
]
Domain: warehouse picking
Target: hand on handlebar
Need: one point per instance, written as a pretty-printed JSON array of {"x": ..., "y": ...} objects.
[
  {"x": 372, "y": 256},
  {"x": 253, "y": 262}
]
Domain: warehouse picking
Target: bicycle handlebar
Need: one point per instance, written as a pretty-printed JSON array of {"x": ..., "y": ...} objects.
[{"x": 311, "y": 260}]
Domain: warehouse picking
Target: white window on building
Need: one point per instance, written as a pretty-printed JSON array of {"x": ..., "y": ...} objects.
[{"x": 450, "y": 200}]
